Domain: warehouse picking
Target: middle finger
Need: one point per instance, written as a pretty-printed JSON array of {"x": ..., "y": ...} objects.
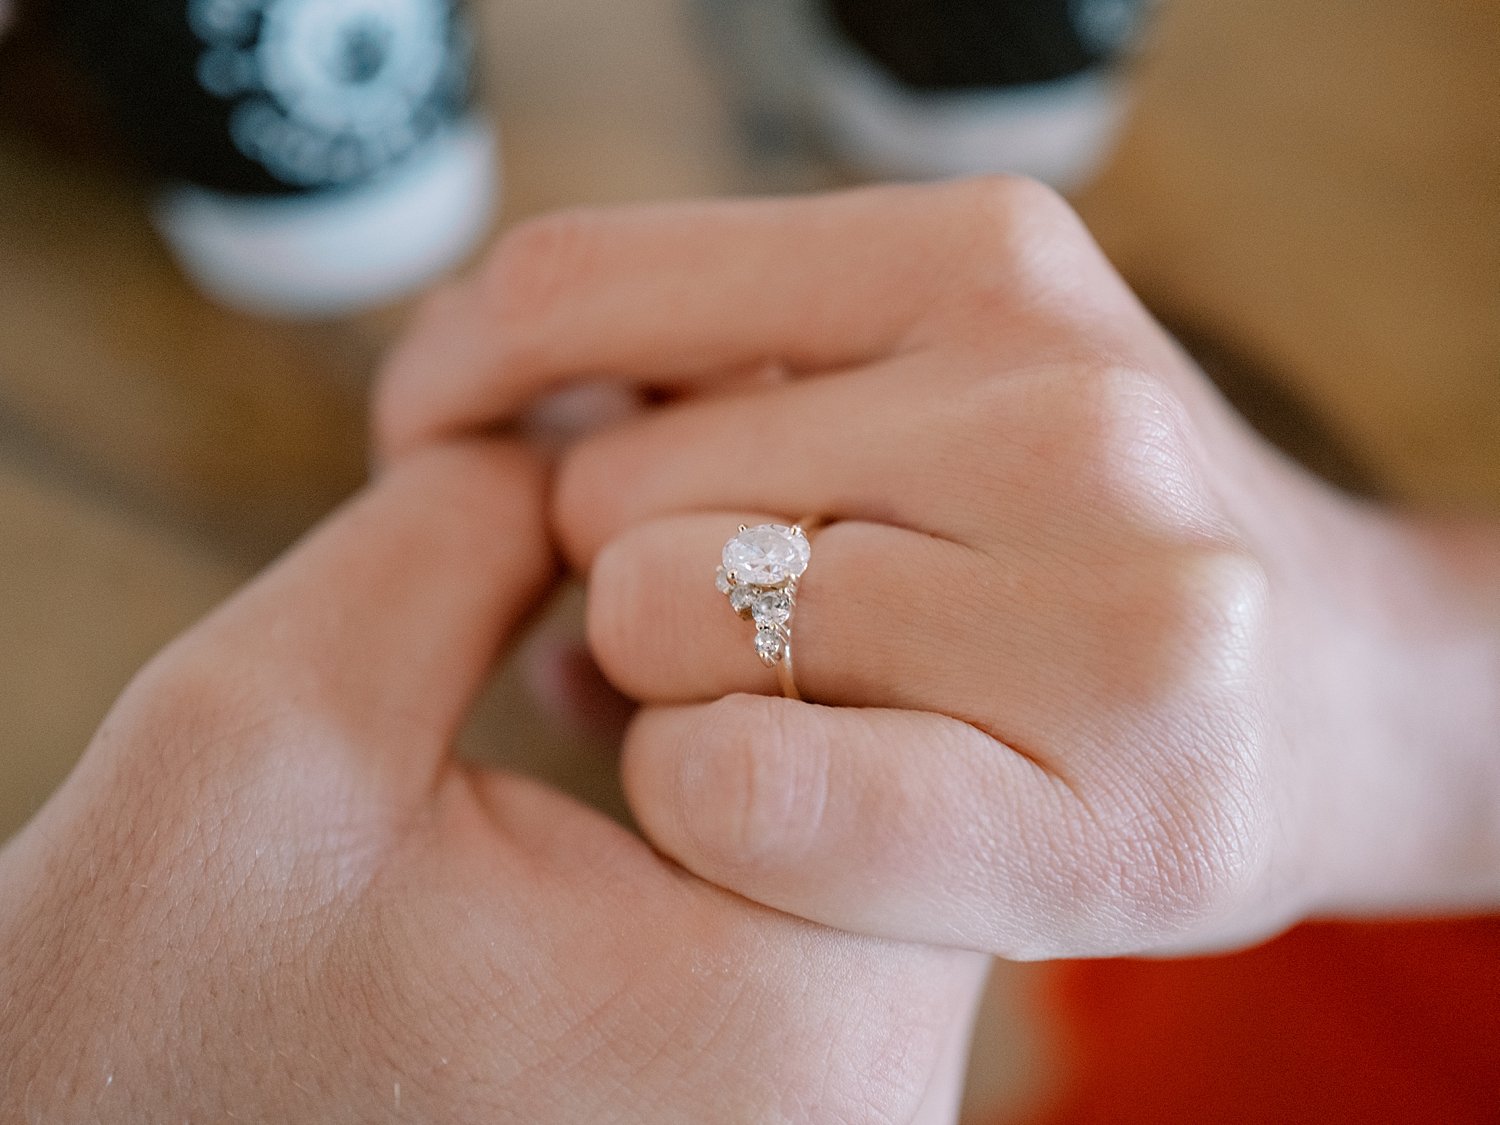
[{"x": 840, "y": 447}]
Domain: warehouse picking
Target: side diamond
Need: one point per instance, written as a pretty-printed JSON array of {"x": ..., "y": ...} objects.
[
  {"x": 768, "y": 645},
  {"x": 773, "y": 607}
]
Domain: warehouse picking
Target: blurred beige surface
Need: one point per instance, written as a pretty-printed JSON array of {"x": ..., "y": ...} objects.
[
  {"x": 1318, "y": 185},
  {"x": 1313, "y": 188},
  {"x": 89, "y": 594}
]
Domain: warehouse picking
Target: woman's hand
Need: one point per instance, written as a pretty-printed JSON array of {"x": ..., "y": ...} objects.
[
  {"x": 269, "y": 893},
  {"x": 1092, "y": 669}
]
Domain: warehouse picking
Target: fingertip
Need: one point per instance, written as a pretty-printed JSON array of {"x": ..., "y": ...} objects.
[{"x": 418, "y": 376}]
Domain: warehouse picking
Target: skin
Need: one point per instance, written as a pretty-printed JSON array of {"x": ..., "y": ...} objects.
[
  {"x": 1091, "y": 669},
  {"x": 270, "y": 893}
]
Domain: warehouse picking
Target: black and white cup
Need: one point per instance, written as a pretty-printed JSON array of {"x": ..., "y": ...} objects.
[{"x": 317, "y": 156}]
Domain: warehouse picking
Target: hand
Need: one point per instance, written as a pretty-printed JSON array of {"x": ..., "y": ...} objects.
[
  {"x": 269, "y": 893},
  {"x": 1094, "y": 671}
]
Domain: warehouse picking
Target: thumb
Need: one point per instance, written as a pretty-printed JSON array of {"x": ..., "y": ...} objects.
[
  {"x": 899, "y": 824},
  {"x": 364, "y": 645}
]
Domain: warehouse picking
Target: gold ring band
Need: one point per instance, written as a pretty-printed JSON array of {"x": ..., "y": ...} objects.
[{"x": 784, "y": 674}]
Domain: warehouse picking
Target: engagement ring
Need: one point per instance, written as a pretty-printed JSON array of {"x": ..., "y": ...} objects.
[{"x": 759, "y": 575}]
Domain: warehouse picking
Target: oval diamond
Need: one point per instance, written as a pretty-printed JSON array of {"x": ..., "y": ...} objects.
[{"x": 767, "y": 555}]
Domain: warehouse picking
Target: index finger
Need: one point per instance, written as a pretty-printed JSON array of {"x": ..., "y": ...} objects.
[{"x": 672, "y": 294}]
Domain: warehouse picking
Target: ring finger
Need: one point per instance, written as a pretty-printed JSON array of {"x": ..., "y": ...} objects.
[{"x": 884, "y": 617}]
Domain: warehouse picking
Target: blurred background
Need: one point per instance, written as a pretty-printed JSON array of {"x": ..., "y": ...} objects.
[{"x": 1309, "y": 194}]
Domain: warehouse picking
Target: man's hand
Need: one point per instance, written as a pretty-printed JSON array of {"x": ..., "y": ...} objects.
[
  {"x": 270, "y": 894},
  {"x": 1092, "y": 670}
]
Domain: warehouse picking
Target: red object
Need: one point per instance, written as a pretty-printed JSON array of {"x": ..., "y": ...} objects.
[{"x": 1329, "y": 1023}]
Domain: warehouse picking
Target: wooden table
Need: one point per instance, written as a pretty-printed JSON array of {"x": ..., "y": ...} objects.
[{"x": 1310, "y": 191}]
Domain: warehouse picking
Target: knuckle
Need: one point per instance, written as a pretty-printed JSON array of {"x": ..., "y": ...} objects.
[
  {"x": 185, "y": 700},
  {"x": 186, "y": 738},
  {"x": 1204, "y": 853},
  {"x": 1119, "y": 447},
  {"x": 1178, "y": 856},
  {"x": 1016, "y": 234},
  {"x": 1123, "y": 436},
  {"x": 1024, "y": 267},
  {"x": 1180, "y": 818},
  {"x": 1217, "y": 601},
  {"x": 1107, "y": 443},
  {"x": 1003, "y": 210},
  {"x": 1197, "y": 812},
  {"x": 1198, "y": 614},
  {"x": 1120, "y": 413}
]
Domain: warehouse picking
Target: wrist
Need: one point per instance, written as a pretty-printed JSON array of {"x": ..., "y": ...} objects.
[
  {"x": 1457, "y": 682},
  {"x": 1407, "y": 819}
]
